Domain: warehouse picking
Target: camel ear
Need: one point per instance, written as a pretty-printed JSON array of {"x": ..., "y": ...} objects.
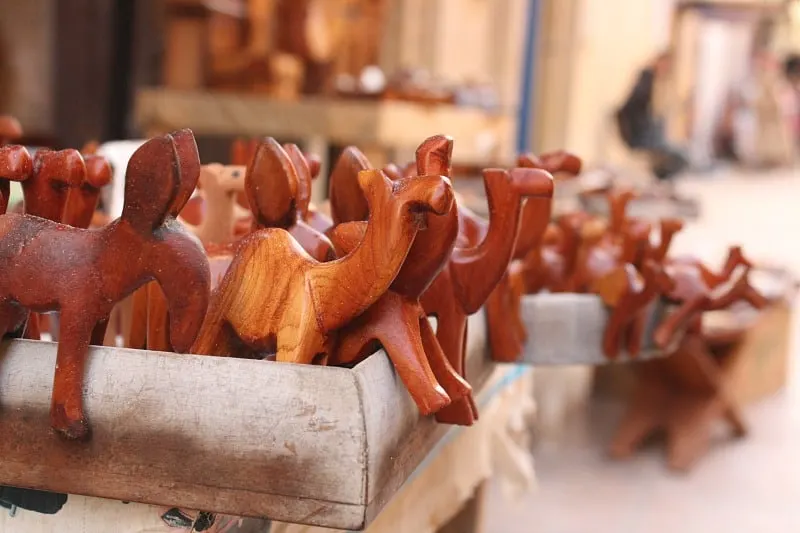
[
  {"x": 189, "y": 164},
  {"x": 63, "y": 166},
  {"x": 98, "y": 171},
  {"x": 16, "y": 164},
  {"x": 434, "y": 155},
  {"x": 347, "y": 199},
  {"x": 303, "y": 172},
  {"x": 152, "y": 181},
  {"x": 271, "y": 185}
]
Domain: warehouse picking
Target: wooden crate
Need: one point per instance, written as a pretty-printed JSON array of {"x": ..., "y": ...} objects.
[
  {"x": 307, "y": 444},
  {"x": 567, "y": 329}
]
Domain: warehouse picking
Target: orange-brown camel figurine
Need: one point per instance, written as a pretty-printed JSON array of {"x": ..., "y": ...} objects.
[
  {"x": 104, "y": 266},
  {"x": 397, "y": 320},
  {"x": 276, "y": 298}
]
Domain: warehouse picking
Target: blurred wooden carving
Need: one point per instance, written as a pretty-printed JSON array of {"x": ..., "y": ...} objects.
[
  {"x": 104, "y": 266},
  {"x": 16, "y": 164}
]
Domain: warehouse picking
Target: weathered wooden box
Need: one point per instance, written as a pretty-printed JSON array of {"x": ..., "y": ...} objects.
[
  {"x": 294, "y": 443},
  {"x": 567, "y": 329}
]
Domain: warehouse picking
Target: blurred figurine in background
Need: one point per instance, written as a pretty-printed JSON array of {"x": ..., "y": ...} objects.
[{"x": 642, "y": 119}]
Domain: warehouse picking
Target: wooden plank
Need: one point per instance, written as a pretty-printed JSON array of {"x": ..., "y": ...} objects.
[
  {"x": 294, "y": 443},
  {"x": 567, "y": 329}
]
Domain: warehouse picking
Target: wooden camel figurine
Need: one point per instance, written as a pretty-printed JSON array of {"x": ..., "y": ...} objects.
[
  {"x": 686, "y": 392},
  {"x": 606, "y": 267},
  {"x": 397, "y": 321},
  {"x": 276, "y": 298},
  {"x": 476, "y": 265},
  {"x": 104, "y": 266},
  {"x": 16, "y": 164},
  {"x": 507, "y": 333}
]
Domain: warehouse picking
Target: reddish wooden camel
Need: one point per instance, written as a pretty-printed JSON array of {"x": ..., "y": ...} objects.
[
  {"x": 104, "y": 266},
  {"x": 507, "y": 333}
]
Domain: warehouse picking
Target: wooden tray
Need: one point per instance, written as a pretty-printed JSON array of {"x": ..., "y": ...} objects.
[
  {"x": 567, "y": 329},
  {"x": 294, "y": 443}
]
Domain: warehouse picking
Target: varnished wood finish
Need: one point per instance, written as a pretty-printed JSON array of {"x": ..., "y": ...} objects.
[
  {"x": 16, "y": 164},
  {"x": 83, "y": 273},
  {"x": 276, "y": 298},
  {"x": 507, "y": 333},
  {"x": 347, "y": 199},
  {"x": 82, "y": 200},
  {"x": 397, "y": 320},
  {"x": 477, "y": 264}
]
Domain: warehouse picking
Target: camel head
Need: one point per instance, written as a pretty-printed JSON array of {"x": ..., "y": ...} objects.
[
  {"x": 98, "y": 171},
  {"x": 54, "y": 174},
  {"x": 417, "y": 195}
]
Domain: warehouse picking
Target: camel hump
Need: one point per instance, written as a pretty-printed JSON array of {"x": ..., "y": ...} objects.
[
  {"x": 152, "y": 182},
  {"x": 98, "y": 171},
  {"x": 16, "y": 164},
  {"x": 347, "y": 199},
  {"x": 64, "y": 168},
  {"x": 271, "y": 184},
  {"x": 303, "y": 172},
  {"x": 347, "y": 236},
  {"x": 189, "y": 168}
]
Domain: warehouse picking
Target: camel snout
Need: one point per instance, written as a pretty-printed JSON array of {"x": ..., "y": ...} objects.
[{"x": 532, "y": 182}]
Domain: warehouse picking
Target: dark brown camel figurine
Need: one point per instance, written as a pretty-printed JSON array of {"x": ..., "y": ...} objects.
[
  {"x": 397, "y": 320},
  {"x": 104, "y": 266}
]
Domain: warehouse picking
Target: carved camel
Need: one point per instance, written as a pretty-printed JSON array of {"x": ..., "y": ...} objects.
[
  {"x": 397, "y": 320},
  {"x": 82, "y": 200},
  {"x": 104, "y": 266},
  {"x": 473, "y": 271},
  {"x": 275, "y": 297},
  {"x": 687, "y": 391},
  {"x": 507, "y": 333}
]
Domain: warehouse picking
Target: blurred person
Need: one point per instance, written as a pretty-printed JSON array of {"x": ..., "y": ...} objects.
[
  {"x": 762, "y": 123},
  {"x": 791, "y": 70},
  {"x": 642, "y": 119}
]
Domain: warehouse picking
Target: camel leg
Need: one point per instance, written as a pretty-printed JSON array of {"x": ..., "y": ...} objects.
[
  {"x": 635, "y": 334},
  {"x": 99, "y": 333},
  {"x": 689, "y": 432},
  {"x": 137, "y": 334},
  {"x": 66, "y": 408},
  {"x": 451, "y": 334},
  {"x": 642, "y": 419},
  {"x": 678, "y": 318},
  {"x": 407, "y": 353},
  {"x": 454, "y": 385},
  {"x": 617, "y": 321},
  {"x": 502, "y": 328}
]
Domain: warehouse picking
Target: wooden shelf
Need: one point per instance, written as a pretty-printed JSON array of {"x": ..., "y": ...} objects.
[{"x": 295, "y": 443}]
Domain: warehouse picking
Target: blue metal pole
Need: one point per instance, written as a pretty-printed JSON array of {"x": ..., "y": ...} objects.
[{"x": 524, "y": 134}]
